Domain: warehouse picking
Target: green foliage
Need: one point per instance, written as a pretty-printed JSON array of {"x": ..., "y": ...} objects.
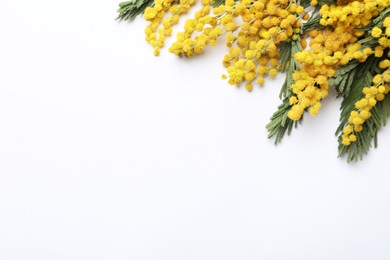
[
  {"x": 369, "y": 135},
  {"x": 217, "y": 3},
  {"x": 306, "y": 3},
  {"x": 279, "y": 123},
  {"x": 285, "y": 54},
  {"x": 129, "y": 10},
  {"x": 326, "y": 2},
  {"x": 344, "y": 77},
  {"x": 353, "y": 75},
  {"x": 350, "y": 81},
  {"x": 288, "y": 63},
  {"x": 313, "y": 23}
]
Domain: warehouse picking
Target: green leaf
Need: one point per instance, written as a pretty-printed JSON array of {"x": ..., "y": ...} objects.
[
  {"x": 217, "y": 3},
  {"x": 280, "y": 124},
  {"x": 358, "y": 77},
  {"x": 368, "y": 137},
  {"x": 287, "y": 52},
  {"x": 129, "y": 10}
]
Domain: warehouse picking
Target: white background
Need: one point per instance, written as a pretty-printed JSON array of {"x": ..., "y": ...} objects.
[{"x": 107, "y": 152}]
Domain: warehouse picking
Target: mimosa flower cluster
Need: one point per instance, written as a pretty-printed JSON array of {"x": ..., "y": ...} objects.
[{"x": 317, "y": 44}]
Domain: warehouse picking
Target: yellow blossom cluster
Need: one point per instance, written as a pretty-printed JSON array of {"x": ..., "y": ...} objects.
[
  {"x": 253, "y": 45},
  {"x": 357, "y": 13},
  {"x": 382, "y": 34},
  {"x": 159, "y": 28},
  {"x": 328, "y": 50},
  {"x": 332, "y": 48},
  {"x": 206, "y": 26},
  {"x": 372, "y": 95}
]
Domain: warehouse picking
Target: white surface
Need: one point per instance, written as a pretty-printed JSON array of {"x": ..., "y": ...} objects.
[{"x": 109, "y": 153}]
